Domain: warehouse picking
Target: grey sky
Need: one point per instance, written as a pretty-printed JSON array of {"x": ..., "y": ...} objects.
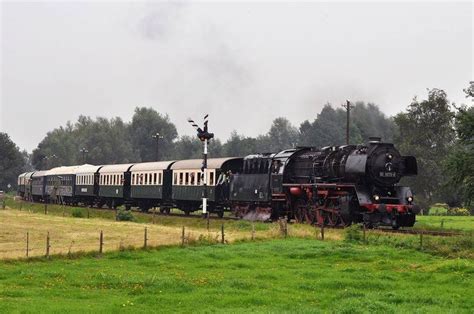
[{"x": 243, "y": 63}]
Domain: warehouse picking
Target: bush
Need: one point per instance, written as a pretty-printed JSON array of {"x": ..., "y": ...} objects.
[
  {"x": 124, "y": 215},
  {"x": 77, "y": 212},
  {"x": 353, "y": 233},
  {"x": 438, "y": 211},
  {"x": 458, "y": 211}
]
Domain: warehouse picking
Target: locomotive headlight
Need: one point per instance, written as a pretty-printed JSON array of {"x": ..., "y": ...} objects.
[
  {"x": 410, "y": 199},
  {"x": 376, "y": 198}
]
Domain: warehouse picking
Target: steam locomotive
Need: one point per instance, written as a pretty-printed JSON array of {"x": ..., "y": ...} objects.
[{"x": 335, "y": 186}]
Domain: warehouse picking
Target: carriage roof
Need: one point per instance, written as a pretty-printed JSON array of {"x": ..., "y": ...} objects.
[{"x": 212, "y": 163}]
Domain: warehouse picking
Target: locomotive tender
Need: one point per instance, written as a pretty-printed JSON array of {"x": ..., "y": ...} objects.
[{"x": 335, "y": 186}]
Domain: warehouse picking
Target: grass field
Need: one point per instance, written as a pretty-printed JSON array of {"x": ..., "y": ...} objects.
[
  {"x": 460, "y": 223},
  {"x": 72, "y": 235},
  {"x": 287, "y": 275}
]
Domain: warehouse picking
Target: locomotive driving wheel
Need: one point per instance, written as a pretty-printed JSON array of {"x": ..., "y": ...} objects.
[{"x": 302, "y": 212}]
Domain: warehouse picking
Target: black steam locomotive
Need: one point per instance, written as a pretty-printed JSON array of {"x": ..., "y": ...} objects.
[{"x": 335, "y": 185}]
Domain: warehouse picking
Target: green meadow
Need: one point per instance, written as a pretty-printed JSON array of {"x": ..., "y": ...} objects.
[{"x": 280, "y": 275}]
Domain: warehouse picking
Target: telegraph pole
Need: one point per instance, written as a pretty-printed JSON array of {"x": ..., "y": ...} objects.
[
  {"x": 348, "y": 106},
  {"x": 204, "y": 136},
  {"x": 157, "y": 137}
]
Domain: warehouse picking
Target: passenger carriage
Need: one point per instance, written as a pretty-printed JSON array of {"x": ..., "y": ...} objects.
[
  {"x": 114, "y": 185},
  {"x": 27, "y": 185},
  {"x": 38, "y": 184},
  {"x": 21, "y": 184},
  {"x": 151, "y": 185},
  {"x": 87, "y": 184},
  {"x": 60, "y": 184},
  {"x": 187, "y": 184}
]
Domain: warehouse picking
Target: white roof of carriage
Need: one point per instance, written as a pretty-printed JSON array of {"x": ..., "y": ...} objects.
[
  {"x": 115, "y": 168},
  {"x": 40, "y": 173},
  {"x": 62, "y": 170},
  {"x": 86, "y": 169},
  {"x": 212, "y": 163},
  {"x": 151, "y": 166}
]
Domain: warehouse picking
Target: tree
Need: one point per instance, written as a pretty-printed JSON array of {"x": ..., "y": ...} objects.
[
  {"x": 426, "y": 132},
  {"x": 238, "y": 145},
  {"x": 460, "y": 162},
  {"x": 187, "y": 147},
  {"x": 12, "y": 162},
  {"x": 146, "y": 122}
]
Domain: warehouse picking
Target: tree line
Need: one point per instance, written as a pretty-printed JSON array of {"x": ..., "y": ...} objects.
[{"x": 439, "y": 134}]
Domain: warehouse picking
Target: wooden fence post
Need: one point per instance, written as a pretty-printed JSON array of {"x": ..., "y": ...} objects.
[
  {"x": 286, "y": 227},
  {"x": 45, "y": 208},
  {"x": 47, "y": 245},
  {"x": 364, "y": 227},
  {"x": 88, "y": 213},
  {"x": 222, "y": 234},
  {"x": 182, "y": 237},
  {"x": 322, "y": 231},
  {"x": 442, "y": 223},
  {"x": 145, "y": 238},
  {"x": 253, "y": 229},
  {"x": 101, "y": 242},
  {"x": 4, "y": 205},
  {"x": 27, "y": 243},
  {"x": 421, "y": 240}
]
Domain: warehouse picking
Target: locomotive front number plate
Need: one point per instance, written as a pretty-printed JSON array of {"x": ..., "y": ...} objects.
[{"x": 388, "y": 174}]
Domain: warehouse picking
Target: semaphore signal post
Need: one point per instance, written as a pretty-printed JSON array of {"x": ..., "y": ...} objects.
[{"x": 204, "y": 136}]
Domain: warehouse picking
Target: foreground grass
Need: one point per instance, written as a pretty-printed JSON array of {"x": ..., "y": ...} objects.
[
  {"x": 455, "y": 223},
  {"x": 290, "y": 275}
]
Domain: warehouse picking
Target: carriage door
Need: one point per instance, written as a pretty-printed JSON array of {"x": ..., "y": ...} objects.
[
  {"x": 127, "y": 180},
  {"x": 96, "y": 183}
]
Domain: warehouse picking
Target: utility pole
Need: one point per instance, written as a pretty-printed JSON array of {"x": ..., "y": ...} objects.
[
  {"x": 84, "y": 151},
  {"x": 204, "y": 136},
  {"x": 157, "y": 137},
  {"x": 348, "y": 106}
]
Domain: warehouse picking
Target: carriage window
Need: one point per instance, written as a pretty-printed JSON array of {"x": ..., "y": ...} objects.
[
  {"x": 186, "y": 180},
  {"x": 211, "y": 178},
  {"x": 155, "y": 175},
  {"x": 191, "y": 178},
  {"x": 198, "y": 178},
  {"x": 181, "y": 178},
  {"x": 175, "y": 179},
  {"x": 160, "y": 178}
]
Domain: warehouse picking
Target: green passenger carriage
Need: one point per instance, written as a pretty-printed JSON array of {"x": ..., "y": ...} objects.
[
  {"x": 87, "y": 184},
  {"x": 114, "y": 185},
  {"x": 151, "y": 185},
  {"x": 187, "y": 183}
]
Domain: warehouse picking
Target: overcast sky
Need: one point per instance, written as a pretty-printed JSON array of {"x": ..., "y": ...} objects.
[{"x": 243, "y": 63}]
